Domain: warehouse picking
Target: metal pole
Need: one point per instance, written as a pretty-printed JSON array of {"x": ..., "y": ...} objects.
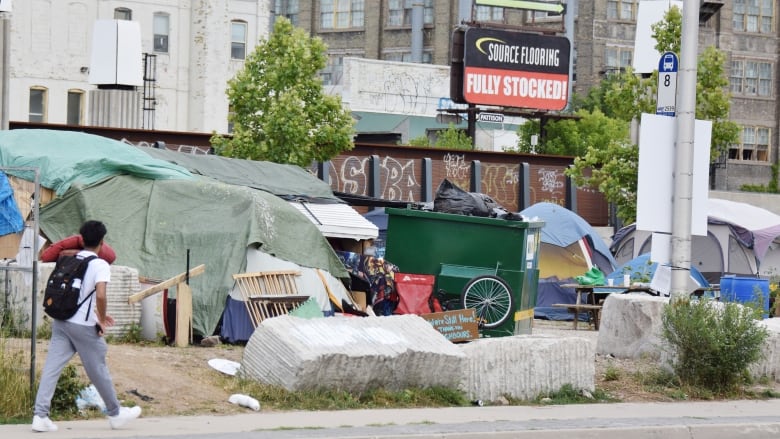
[
  {"x": 5, "y": 71},
  {"x": 683, "y": 165},
  {"x": 34, "y": 296},
  {"x": 571, "y": 8},
  {"x": 418, "y": 17}
]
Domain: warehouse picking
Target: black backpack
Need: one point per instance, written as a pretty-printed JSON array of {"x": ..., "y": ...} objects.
[{"x": 61, "y": 298}]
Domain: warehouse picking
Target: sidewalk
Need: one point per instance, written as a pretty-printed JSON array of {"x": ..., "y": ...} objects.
[{"x": 697, "y": 420}]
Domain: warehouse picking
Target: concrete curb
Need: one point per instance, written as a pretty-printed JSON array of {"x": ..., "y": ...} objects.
[{"x": 711, "y": 420}]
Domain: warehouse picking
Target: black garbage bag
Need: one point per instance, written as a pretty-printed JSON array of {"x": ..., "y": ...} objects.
[{"x": 452, "y": 199}]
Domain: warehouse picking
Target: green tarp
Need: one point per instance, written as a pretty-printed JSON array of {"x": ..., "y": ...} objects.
[
  {"x": 152, "y": 223},
  {"x": 65, "y": 158},
  {"x": 156, "y": 211},
  {"x": 288, "y": 181}
]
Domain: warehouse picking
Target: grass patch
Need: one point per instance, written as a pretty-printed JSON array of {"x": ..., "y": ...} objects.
[
  {"x": 569, "y": 395},
  {"x": 14, "y": 385},
  {"x": 274, "y": 397}
]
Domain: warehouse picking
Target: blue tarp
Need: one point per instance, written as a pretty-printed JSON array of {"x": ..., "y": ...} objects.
[{"x": 11, "y": 220}]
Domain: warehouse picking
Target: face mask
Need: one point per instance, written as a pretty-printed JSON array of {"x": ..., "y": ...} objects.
[{"x": 370, "y": 251}]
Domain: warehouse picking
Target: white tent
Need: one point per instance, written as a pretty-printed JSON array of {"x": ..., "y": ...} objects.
[{"x": 741, "y": 239}]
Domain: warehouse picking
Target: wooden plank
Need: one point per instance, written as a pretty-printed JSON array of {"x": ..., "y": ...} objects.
[
  {"x": 183, "y": 315},
  {"x": 137, "y": 297}
]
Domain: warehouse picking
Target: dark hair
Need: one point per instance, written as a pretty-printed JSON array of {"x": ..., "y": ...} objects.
[{"x": 92, "y": 232}]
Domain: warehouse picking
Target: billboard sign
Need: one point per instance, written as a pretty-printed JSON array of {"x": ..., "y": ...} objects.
[{"x": 514, "y": 69}]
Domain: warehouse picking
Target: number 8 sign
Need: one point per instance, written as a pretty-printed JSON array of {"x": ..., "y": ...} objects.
[{"x": 667, "y": 85}]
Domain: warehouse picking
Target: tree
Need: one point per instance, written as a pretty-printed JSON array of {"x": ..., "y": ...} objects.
[
  {"x": 611, "y": 166},
  {"x": 712, "y": 100},
  {"x": 452, "y": 138},
  {"x": 573, "y": 137},
  {"x": 278, "y": 108}
]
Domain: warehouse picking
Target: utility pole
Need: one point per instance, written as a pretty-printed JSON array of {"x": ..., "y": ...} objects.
[
  {"x": 683, "y": 154},
  {"x": 4, "y": 69}
]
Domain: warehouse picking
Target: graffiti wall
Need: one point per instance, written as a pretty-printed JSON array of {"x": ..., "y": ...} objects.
[
  {"x": 401, "y": 169},
  {"x": 388, "y": 87}
]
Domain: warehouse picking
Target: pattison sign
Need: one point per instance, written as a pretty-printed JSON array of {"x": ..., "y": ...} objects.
[{"x": 514, "y": 69}]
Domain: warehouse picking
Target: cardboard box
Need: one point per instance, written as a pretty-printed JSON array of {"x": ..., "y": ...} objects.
[{"x": 359, "y": 297}]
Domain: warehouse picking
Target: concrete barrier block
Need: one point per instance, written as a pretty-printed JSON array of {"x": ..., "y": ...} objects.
[
  {"x": 524, "y": 366},
  {"x": 353, "y": 354},
  {"x": 631, "y": 326}
]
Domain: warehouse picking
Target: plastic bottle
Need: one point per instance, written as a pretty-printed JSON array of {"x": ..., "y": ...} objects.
[{"x": 244, "y": 401}]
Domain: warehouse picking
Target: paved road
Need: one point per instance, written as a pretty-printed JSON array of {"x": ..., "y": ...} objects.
[{"x": 699, "y": 420}]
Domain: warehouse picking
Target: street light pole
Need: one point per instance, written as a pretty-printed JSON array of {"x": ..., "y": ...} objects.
[
  {"x": 4, "y": 71},
  {"x": 683, "y": 163}
]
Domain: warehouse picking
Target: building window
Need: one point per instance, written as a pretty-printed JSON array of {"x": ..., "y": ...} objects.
[
  {"x": 754, "y": 145},
  {"x": 288, "y": 9},
  {"x": 238, "y": 40},
  {"x": 341, "y": 14},
  {"x": 37, "y": 104},
  {"x": 489, "y": 13},
  {"x": 617, "y": 58},
  {"x": 161, "y": 30},
  {"x": 123, "y": 14},
  {"x": 406, "y": 56},
  {"x": 75, "y": 107},
  {"x": 400, "y": 12},
  {"x": 231, "y": 116},
  {"x": 621, "y": 9},
  {"x": 751, "y": 78},
  {"x": 753, "y": 16}
]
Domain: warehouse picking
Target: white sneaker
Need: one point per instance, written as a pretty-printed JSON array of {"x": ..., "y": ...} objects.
[
  {"x": 42, "y": 425},
  {"x": 125, "y": 414}
]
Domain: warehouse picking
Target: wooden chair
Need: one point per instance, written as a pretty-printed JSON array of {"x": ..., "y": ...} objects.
[{"x": 269, "y": 294}]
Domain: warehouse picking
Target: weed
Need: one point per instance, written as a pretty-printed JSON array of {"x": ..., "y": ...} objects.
[
  {"x": 712, "y": 343},
  {"x": 612, "y": 373},
  {"x": 63, "y": 404},
  {"x": 569, "y": 395},
  {"x": 15, "y": 384},
  {"x": 330, "y": 399},
  {"x": 132, "y": 334}
]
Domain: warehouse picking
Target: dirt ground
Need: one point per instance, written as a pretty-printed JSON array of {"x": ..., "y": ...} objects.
[{"x": 168, "y": 381}]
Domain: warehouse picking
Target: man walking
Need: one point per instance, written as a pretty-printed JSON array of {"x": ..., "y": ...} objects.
[{"x": 83, "y": 334}]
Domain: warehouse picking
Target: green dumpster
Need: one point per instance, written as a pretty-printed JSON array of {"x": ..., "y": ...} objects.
[{"x": 489, "y": 264}]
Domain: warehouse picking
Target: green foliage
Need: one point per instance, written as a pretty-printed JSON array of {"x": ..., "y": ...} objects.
[
  {"x": 771, "y": 188},
  {"x": 612, "y": 373},
  {"x": 278, "y": 108},
  {"x": 13, "y": 323},
  {"x": 421, "y": 141},
  {"x": 14, "y": 385},
  {"x": 567, "y": 394},
  {"x": 68, "y": 388},
  {"x": 668, "y": 32},
  {"x": 132, "y": 334},
  {"x": 454, "y": 138},
  {"x": 712, "y": 343},
  {"x": 328, "y": 399},
  {"x": 611, "y": 166},
  {"x": 612, "y": 170}
]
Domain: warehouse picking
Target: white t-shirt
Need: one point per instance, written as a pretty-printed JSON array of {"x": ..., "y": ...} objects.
[{"x": 98, "y": 270}]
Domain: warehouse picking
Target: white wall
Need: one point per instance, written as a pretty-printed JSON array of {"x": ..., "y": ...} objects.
[{"x": 50, "y": 43}]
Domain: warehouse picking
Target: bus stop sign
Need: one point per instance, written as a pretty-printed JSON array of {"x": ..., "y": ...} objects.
[{"x": 667, "y": 85}]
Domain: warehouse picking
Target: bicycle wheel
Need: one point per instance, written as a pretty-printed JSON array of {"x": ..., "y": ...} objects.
[{"x": 491, "y": 298}]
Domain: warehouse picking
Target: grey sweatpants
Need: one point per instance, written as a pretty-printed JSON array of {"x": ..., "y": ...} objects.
[{"x": 66, "y": 340}]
